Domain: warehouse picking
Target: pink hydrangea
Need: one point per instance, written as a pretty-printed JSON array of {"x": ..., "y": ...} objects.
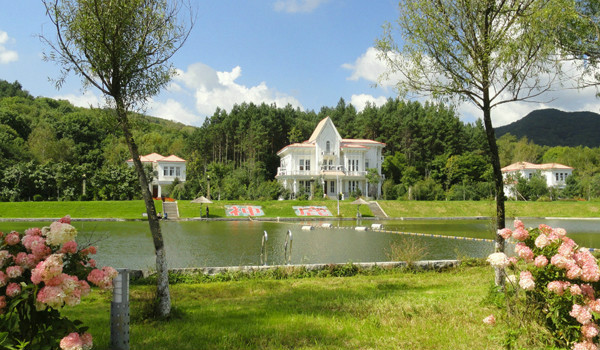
[
  {"x": 560, "y": 232},
  {"x": 520, "y": 234},
  {"x": 594, "y": 305},
  {"x": 519, "y": 224},
  {"x": 542, "y": 241},
  {"x": 4, "y": 255},
  {"x": 588, "y": 290},
  {"x": 545, "y": 229},
  {"x": 89, "y": 250},
  {"x": 558, "y": 287},
  {"x": 47, "y": 269},
  {"x": 559, "y": 261},
  {"x": 524, "y": 252},
  {"x": 13, "y": 289},
  {"x": 12, "y": 238},
  {"x": 92, "y": 262},
  {"x": 490, "y": 320},
  {"x": 575, "y": 289},
  {"x": 65, "y": 219},
  {"x": 526, "y": 280},
  {"x": 71, "y": 342},
  {"x": 540, "y": 261},
  {"x": 585, "y": 345},
  {"x": 103, "y": 278},
  {"x": 60, "y": 233},
  {"x": 567, "y": 248},
  {"x": 581, "y": 313},
  {"x": 3, "y": 279},
  {"x": 32, "y": 241},
  {"x": 14, "y": 271},
  {"x": 33, "y": 232},
  {"x": 69, "y": 247},
  {"x": 590, "y": 330},
  {"x": 74, "y": 341},
  {"x": 505, "y": 233},
  {"x": 574, "y": 272},
  {"x": 51, "y": 296}
]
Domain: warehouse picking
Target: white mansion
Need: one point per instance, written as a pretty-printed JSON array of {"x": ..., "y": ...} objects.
[
  {"x": 554, "y": 173},
  {"x": 325, "y": 159},
  {"x": 165, "y": 169}
]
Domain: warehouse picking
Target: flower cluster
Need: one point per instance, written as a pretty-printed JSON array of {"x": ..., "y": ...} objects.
[
  {"x": 46, "y": 268},
  {"x": 554, "y": 269}
]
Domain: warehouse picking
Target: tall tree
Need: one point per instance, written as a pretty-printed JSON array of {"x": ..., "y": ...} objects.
[
  {"x": 122, "y": 48},
  {"x": 487, "y": 52}
]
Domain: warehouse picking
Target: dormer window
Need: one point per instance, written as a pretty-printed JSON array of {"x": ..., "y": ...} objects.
[{"x": 328, "y": 147}]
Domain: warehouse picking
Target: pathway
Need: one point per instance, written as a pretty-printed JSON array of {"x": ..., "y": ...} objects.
[{"x": 377, "y": 210}]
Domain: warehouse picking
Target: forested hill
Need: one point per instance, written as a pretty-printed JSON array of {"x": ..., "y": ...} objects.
[{"x": 551, "y": 127}]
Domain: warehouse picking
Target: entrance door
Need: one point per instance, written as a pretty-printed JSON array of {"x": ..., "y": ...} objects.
[{"x": 154, "y": 191}]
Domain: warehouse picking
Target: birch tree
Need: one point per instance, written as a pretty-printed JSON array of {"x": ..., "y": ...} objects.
[
  {"x": 486, "y": 52},
  {"x": 122, "y": 48}
]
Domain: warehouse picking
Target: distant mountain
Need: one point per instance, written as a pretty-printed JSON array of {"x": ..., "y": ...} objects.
[{"x": 551, "y": 127}]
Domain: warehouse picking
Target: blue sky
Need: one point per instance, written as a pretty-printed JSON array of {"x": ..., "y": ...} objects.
[{"x": 308, "y": 53}]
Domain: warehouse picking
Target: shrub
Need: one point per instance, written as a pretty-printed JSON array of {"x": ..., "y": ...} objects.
[
  {"x": 41, "y": 271},
  {"x": 555, "y": 280}
]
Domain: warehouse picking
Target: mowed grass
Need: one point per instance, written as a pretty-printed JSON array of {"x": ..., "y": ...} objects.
[
  {"x": 272, "y": 209},
  {"x": 390, "y": 310}
]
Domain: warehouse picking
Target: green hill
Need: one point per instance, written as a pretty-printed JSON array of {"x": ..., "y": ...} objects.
[{"x": 551, "y": 127}]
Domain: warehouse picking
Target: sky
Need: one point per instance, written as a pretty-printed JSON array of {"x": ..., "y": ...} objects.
[{"x": 307, "y": 53}]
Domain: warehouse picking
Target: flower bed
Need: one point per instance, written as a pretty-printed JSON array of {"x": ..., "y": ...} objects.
[{"x": 42, "y": 271}]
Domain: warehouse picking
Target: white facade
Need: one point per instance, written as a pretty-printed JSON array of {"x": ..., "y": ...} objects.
[
  {"x": 554, "y": 173},
  {"x": 337, "y": 165},
  {"x": 166, "y": 170}
]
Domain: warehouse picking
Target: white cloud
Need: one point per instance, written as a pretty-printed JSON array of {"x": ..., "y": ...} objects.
[
  {"x": 360, "y": 101},
  {"x": 369, "y": 67},
  {"x": 87, "y": 100},
  {"x": 213, "y": 89},
  {"x": 173, "y": 110},
  {"x": 297, "y": 6},
  {"x": 6, "y": 55}
]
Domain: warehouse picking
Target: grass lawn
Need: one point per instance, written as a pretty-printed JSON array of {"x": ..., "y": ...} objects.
[
  {"x": 389, "y": 310},
  {"x": 273, "y": 209}
]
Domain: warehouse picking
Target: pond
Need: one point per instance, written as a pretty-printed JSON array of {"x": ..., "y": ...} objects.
[{"x": 237, "y": 243}]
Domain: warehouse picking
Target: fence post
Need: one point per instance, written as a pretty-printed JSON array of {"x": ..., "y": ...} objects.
[{"x": 119, "y": 312}]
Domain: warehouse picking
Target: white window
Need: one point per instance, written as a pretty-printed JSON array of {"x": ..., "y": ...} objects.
[
  {"x": 366, "y": 164},
  {"x": 561, "y": 176},
  {"x": 177, "y": 171},
  {"x": 327, "y": 147},
  {"x": 352, "y": 186},
  {"x": 332, "y": 187},
  {"x": 305, "y": 164},
  {"x": 166, "y": 171},
  {"x": 556, "y": 176}
]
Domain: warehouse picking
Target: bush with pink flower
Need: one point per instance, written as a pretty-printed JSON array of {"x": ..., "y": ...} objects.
[
  {"x": 42, "y": 271},
  {"x": 558, "y": 280}
]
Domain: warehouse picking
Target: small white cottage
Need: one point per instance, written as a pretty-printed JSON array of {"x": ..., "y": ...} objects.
[
  {"x": 166, "y": 169},
  {"x": 325, "y": 159},
  {"x": 554, "y": 173}
]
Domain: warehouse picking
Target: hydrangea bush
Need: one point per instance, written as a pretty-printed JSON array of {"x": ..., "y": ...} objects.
[
  {"x": 42, "y": 271},
  {"x": 558, "y": 278}
]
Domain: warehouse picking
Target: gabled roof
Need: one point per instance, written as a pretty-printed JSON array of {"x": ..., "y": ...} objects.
[
  {"x": 531, "y": 166},
  {"x": 155, "y": 158},
  {"x": 320, "y": 128}
]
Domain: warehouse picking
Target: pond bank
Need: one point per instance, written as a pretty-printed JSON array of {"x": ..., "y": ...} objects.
[{"x": 301, "y": 219}]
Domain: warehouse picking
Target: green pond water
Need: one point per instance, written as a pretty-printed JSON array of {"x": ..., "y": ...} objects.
[{"x": 236, "y": 243}]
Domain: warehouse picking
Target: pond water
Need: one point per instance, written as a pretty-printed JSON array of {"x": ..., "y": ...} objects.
[{"x": 236, "y": 243}]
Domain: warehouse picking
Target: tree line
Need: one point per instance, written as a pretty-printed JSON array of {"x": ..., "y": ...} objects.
[{"x": 50, "y": 146}]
